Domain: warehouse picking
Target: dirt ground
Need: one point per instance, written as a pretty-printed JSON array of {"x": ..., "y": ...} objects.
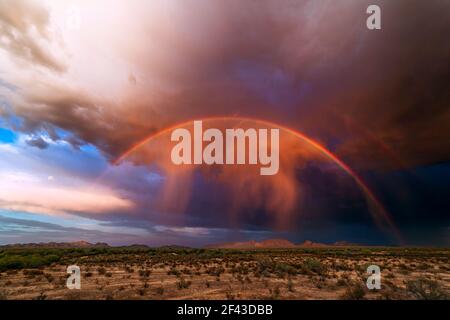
[{"x": 231, "y": 274}]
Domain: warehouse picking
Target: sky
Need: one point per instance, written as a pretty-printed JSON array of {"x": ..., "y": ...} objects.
[{"x": 88, "y": 88}]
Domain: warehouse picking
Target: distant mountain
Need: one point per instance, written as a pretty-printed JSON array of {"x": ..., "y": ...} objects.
[
  {"x": 345, "y": 244},
  {"x": 311, "y": 244},
  {"x": 173, "y": 247},
  {"x": 252, "y": 244},
  {"x": 136, "y": 246},
  {"x": 76, "y": 244},
  {"x": 277, "y": 243}
]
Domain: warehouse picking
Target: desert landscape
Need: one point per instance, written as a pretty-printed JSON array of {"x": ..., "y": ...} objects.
[{"x": 271, "y": 269}]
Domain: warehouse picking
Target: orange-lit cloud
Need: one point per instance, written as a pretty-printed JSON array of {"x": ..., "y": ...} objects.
[
  {"x": 377, "y": 100},
  {"x": 306, "y": 64},
  {"x": 36, "y": 197}
]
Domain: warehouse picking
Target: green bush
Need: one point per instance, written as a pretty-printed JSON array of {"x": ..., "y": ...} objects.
[
  {"x": 20, "y": 260},
  {"x": 14, "y": 262},
  {"x": 281, "y": 269},
  {"x": 312, "y": 265}
]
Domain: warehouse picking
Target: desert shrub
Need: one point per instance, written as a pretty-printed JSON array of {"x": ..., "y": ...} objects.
[
  {"x": 215, "y": 271},
  {"x": 426, "y": 289},
  {"x": 41, "y": 296},
  {"x": 186, "y": 271},
  {"x": 25, "y": 260},
  {"x": 403, "y": 266},
  {"x": 73, "y": 295},
  {"x": 159, "y": 291},
  {"x": 318, "y": 281},
  {"x": 49, "y": 277},
  {"x": 129, "y": 269},
  {"x": 341, "y": 282},
  {"x": 290, "y": 285},
  {"x": 229, "y": 293},
  {"x": 33, "y": 273},
  {"x": 391, "y": 292},
  {"x": 11, "y": 272},
  {"x": 281, "y": 269},
  {"x": 144, "y": 273},
  {"x": 173, "y": 271},
  {"x": 264, "y": 267},
  {"x": 101, "y": 271},
  {"x": 240, "y": 269},
  {"x": 354, "y": 292},
  {"x": 424, "y": 266},
  {"x": 390, "y": 275},
  {"x": 183, "y": 284},
  {"x": 343, "y": 266},
  {"x": 141, "y": 291},
  {"x": 311, "y": 265},
  {"x": 14, "y": 262},
  {"x": 404, "y": 271},
  {"x": 3, "y": 295},
  {"x": 274, "y": 293}
]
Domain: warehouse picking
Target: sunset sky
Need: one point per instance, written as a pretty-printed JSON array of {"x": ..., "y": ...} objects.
[{"x": 364, "y": 117}]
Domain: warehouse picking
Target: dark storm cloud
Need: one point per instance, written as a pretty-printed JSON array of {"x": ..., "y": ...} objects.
[
  {"x": 37, "y": 142},
  {"x": 400, "y": 110},
  {"x": 380, "y": 99},
  {"x": 89, "y": 119},
  {"x": 382, "y": 95}
]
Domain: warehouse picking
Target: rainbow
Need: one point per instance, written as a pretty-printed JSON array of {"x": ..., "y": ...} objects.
[{"x": 378, "y": 212}]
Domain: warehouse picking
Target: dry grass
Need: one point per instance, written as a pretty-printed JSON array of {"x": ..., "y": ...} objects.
[{"x": 124, "y": 273}]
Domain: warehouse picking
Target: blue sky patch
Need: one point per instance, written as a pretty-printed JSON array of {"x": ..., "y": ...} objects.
[{"x": 7, "y": 136}]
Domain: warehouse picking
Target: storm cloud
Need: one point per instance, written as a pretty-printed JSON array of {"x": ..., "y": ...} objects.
[
  {"x": 311, "y": 65},
  {"x": 378, "y": 99}
]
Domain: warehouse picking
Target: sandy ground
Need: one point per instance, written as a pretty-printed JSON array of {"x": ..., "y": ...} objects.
[{"x": 274, "y": 275}]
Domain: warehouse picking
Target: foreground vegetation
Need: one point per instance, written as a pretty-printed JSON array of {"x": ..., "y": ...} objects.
[{"x": 175, "y": 273}]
